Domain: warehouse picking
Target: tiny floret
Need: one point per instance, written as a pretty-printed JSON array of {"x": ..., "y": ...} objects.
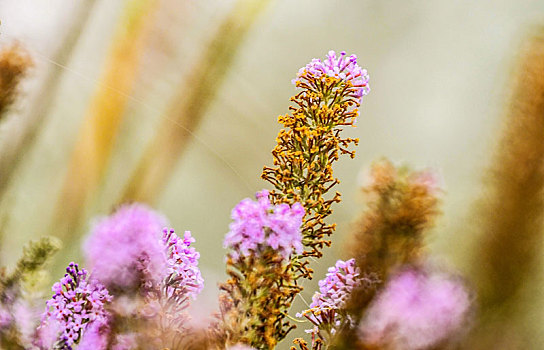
[{"x": 340, "y": 67}]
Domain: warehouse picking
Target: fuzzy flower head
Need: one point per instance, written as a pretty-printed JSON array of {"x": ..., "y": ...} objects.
[
  {"x": 76, "y": 305},
  {"x": 416, "y": 311},
  {"x": 326, "y": 309},
  {"x": 259, "y": 224},
  {"x": 124, "y": 250},
  {"x": 339, "y": 67}
]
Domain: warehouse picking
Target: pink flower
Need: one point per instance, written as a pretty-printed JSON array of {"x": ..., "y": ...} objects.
[
  {"x": 184, "y": 277},
  {"x": 416, "y": 311},
  {"x": 342, "y": 67},
  {"x": 334, "y": 290},
  {"x": 124, "y": 249},
  {"x": 259, "y": 224}
]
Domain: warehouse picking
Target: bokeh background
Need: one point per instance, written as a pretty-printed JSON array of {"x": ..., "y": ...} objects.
[{"x": 440, "y": 73}]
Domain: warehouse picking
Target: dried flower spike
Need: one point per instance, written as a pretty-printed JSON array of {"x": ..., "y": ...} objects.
[
  {"x": 401, "y": 206},
  {"x": 332, "y": 92}
]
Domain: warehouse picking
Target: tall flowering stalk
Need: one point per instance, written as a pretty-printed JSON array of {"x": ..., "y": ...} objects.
[
  {"x": 507, "y": 254},
  {"x": 331, "y": 93},
  {"x": 264, "y": 272},
  {"x": 20, "y": 293},
  {"x": 402, "y": 205},
  {"x": 169, "y": 300}
]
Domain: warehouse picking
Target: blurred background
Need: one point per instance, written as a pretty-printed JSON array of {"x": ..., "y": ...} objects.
[{"x": 175, "y": 103}]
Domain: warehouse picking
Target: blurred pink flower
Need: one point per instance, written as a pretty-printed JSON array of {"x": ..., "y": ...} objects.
[
  {"x": 416, "y": 311},
  {"x": 125, "y": 249}
]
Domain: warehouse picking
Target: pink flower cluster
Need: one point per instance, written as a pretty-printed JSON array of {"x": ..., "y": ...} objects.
[
  {"x": 259, "y": 224},
  {"x": 182, "y": 264},
  {"x": 342, "y": 67},
  {"x": 125, "y": 249},
  {"x": 416, "y": 311},
  {"x": 334, "y": 290},
  {"x": 76, "y": 305}
]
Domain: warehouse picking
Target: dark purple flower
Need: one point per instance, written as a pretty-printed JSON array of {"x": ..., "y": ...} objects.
[{"x": 77, "y": 304}]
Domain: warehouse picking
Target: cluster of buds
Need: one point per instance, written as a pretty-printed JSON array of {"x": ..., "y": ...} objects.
[
  {"x": 167, "y": 302},
  {"x": 259, "y": 225},
  {"x": 326, "y": 312},
  {"x": 184, "y": 276},
  {"x": 402, "y": 206},
  {"x": 76, "y": 305}
]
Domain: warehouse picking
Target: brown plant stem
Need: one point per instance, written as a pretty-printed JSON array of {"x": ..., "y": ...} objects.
[
  {"x": 509, "y": 216},
  {"x": 401, "y": 207},
  {"x": 163, "y": 152}
]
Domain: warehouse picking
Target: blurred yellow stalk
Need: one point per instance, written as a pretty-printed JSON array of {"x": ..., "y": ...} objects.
[
  {"x": 103, "y": 119},
  {"x": 196, "y": 93}
]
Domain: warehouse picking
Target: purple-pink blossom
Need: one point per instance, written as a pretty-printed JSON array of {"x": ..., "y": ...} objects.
[
  {"x": 342, "y": 67},
  {"x": 184, "y": 277},
  {"x": 416, "y": 311},
  {"x": 95, "y": 337},
  {"x": 334, "y": 290},
  {"x": 124, "y": 250},
  {"x": 76, "y": 305},
  {"x": 259, "y": 224}
]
